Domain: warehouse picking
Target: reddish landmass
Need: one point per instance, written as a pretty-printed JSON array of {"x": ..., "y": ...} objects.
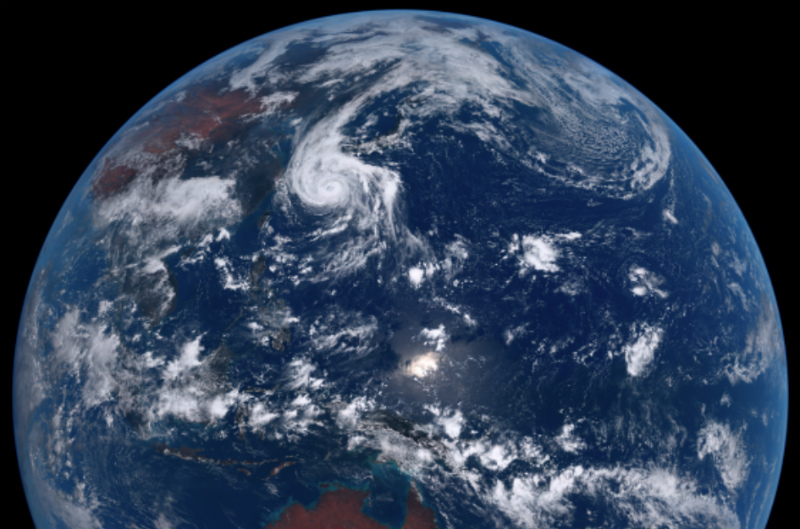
[
  {"x": 418, "y": 516},
  {"x": 204, "y": 113},
  {"x": 112, "y": 178},
  {"x": 336, "y": 509},
  {"x": 341, "y": 509}
]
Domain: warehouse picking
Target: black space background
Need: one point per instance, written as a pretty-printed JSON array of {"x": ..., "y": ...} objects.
[{"x": 73, "y": 74}]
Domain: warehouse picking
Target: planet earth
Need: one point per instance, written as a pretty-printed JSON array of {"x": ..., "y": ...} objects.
[{"x": 400, "y": 269}]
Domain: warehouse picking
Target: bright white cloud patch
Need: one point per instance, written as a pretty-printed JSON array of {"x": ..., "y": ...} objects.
[
  {"x": 175, "y": 203},
  {"x": 641, "y": 352},
  {"x": 532, "y": 502},
  {"x": 343, "y": 333},
  {"x": 90, "y": 350},
  {"x": 653, "y": 497},
  {"x": 539, "y": 253},
  {"x": 416, "y": 275},
  {"x": 423, "y": 365},
  {"x": 644, "y": 282},
  {"x": 349, "y": 416},
  {"x": 189, "y": 358},
  {"x": 229, "y": 282},
  {"x": 568, "y": 441},
  {"x": 300, "y": 375},
  {"x": 435, "y": 337},
  {"x": 726, "y": 448},
  {"x": 260, "y": 416},
  {"x": 452, "y": 424}
]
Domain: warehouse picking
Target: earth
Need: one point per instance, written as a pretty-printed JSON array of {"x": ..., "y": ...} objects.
[{"x": 438, "y": 272}]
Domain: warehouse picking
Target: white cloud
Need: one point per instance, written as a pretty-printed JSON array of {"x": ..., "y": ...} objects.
[
  {"x": 641, "y": 352},
  {"x": 645, "y": 282},
  {"x": 88, "y": 349},
  {"x": 224, "y": 265},
  {"x": 437, "y": 337},
  {"x": 539, "y": 253},
  {"x": 452, "y": 424},
  {"x": 260, "y": 416},
  {"x": 763, "y": 346},
  {"x": 299, "y": 375},
  {"x": 424, "y": 364},
  {"x": 342, "y": 333},
  {"x": 652, "y": 497},
  {"x": 416, "y": 275},
  {"x": 568, "y": 441},
  {"x": 349, "y": 416},
  {"x": 189, "y": 358},
  {"x": 727, "y": 450}
]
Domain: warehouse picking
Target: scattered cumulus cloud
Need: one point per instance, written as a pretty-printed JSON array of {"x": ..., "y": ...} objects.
[{"x": 726, "y": 449}]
